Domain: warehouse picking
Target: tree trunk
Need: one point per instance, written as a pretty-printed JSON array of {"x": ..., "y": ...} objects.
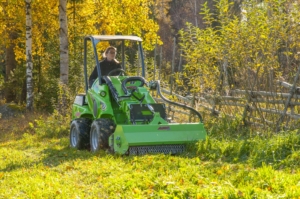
[
  {"x": 10, "y": 59},
  {"x": 10, "y": 66},
  {"x": 29, "y": 64},
  {"x": 63, "y": 39}
]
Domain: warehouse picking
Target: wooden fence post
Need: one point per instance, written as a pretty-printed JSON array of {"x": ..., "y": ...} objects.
[
  {"x": 180, "y": 61},
  {"x": 160, "y": 62},
  {"x": 287, "y": 103},
  {"x": 247, "y": 108},
  {"x": 192, "y": 105},
  {"x": 172, "y": 72},
  {"x": 249, "y": 96}
]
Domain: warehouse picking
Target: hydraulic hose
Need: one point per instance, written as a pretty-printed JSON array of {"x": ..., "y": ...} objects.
[{"x": 178, "y": 104}]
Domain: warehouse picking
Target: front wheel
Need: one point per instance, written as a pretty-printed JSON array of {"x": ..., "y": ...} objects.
[
  {"x": 101, "y": 129},
  {"x": 79, "y": 133}
]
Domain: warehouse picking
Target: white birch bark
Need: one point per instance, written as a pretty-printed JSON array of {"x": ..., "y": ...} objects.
[
  {"x": 63, "y": 39},
  {"x": 29, "y": 64}
]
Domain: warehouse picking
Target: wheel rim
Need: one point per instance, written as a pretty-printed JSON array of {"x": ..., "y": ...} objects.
[
  {"x": 94, "y": 139},
  {"x": 74, "y": 137}
]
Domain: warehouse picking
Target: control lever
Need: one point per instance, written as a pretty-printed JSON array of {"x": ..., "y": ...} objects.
[{"x": 150, "y": 108}]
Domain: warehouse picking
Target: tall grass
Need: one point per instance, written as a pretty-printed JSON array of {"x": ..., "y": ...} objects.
[{"x": 36, "y": 162}]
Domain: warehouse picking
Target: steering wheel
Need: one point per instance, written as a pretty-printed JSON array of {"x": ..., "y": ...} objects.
[{"x": 117, "y": 70}]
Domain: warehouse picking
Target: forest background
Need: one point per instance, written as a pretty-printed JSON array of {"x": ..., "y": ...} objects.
[{"x": 205, "y": 46}]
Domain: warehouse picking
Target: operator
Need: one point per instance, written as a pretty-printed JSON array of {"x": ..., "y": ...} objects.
[{"x": 108, "y": 64}]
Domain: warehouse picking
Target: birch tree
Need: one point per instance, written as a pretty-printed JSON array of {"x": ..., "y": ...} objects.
[
  {"x": 63, "y": 42},
  {"x": 29, "y": 63}
]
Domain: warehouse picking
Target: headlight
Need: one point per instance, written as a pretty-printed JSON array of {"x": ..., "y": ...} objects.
[{"x": 102, "y": 93}]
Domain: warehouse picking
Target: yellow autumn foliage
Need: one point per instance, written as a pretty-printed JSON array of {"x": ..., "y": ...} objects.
[{"x": 126, "y": 17}]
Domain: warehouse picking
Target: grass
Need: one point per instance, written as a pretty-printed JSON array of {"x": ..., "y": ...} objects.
[{"x": 36, "y": 162}]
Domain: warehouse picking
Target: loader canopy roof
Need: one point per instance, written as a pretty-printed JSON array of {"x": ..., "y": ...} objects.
[
  {"x": 130, "y": 56},
  {"x": 115, "y": 37}
]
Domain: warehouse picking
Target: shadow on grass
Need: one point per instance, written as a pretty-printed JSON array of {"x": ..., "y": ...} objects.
[
  {"x": 55, "y": 157},
  {"x": 51, "y": 158},
  {"x": 15, "y": 166}
]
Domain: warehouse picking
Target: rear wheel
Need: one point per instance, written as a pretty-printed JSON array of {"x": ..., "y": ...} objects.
[
  {"x": 101, "y": 129},
  {"x": 79, "y": 133}
]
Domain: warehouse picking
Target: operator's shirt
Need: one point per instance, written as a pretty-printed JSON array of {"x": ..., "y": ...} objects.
[{"x": 105, "y": 66}]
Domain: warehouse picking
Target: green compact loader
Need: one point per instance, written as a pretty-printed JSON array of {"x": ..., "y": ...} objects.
[{"x": 118, "y": 112}]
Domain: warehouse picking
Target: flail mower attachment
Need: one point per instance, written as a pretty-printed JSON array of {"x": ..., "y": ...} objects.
[{"x": 157, "y": 136}]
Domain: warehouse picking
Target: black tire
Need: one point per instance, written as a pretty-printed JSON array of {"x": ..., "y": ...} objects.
[
  {"x": 101, "y": 129},
  {"x": 79, "y": 133}
]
